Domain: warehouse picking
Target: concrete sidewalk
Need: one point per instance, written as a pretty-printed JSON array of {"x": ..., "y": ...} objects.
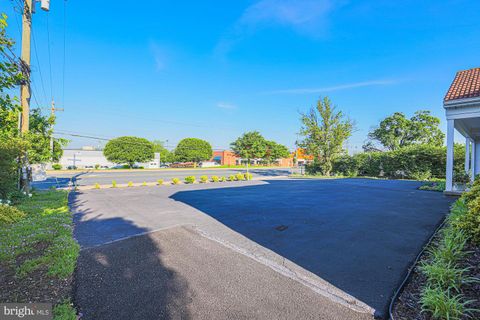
[{"x": 179, "y": 274}]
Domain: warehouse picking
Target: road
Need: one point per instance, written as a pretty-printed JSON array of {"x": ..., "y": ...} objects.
[{"x": 89, "y": 178}]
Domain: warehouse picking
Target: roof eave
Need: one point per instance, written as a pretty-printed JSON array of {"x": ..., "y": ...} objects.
[{"x": 465, "y": 102}]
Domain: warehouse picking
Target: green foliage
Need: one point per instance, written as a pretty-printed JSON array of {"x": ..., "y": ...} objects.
[
  {"x": 438, "y": 186},
  {"x": 97, "y": 166},
  {"x": 9, "y": 151},
  {"x": 396, "y": 131},
  {"x": 442, "y": 304},
  {"x": 9, "y": 214},
  {"x": 223, "y": 179},
  {"x": 249, "y": 146},
  {"x": 232, "y": 177},
  {"x": 470, "y": 222},
  {"x": 114, "y": 184},
  {"x": 64, "y": 311},
  {"x": 130, "y": 184},
  {"x": 324, "y": 130},
  {"x": 444, "y": 275},
  {"x": 203, "y": 179},
  {"x": 56, "y": 166},
  {"x": 215, "y": 179},
  {"x": 248, "y": 176},
  {"x": 144, "y": 184},
  {"x": 190, "y": 179},
  {"x": 176, "y": 181},
  {"x": 239, "y": 176},
  {"x": 160, "y": 182},
  {"x": 128, "y": 150},
  {"x": 97, "y": 186},
  {"x": 413, "y": 162},
  {"x": 193, "y": 150},
  {"x": 274, "y": 151}
]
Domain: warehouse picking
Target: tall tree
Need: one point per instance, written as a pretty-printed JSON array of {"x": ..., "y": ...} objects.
[
  {"x": 397, "y": 131},
  {"x": 275, "y": 151},
  {"x": 324, "y": 130},
  {"x": 250, "y": 145},
  {"x": 128, "y": 150},
  {"x": 193, "y": 150}
]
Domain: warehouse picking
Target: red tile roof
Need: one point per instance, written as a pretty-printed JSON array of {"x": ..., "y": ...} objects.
[{"x": 465, "y": 85}]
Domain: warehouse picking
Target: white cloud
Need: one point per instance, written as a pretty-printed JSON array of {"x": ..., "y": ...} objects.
[
  {"x": 159, "y": 55},
  {"x": 304, "y": 16},
  {"x": 333, "y": 88},
  {"x": 226, "y": 105}
]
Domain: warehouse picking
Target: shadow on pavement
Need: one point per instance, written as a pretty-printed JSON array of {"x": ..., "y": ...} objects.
[
  {"x": 127, "y": 279},
  {"x": 360, "y": 235}
]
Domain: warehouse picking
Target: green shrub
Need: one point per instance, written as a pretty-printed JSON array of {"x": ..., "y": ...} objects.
[
  {"x": 114, "y": 184},
  {"x": 97, "y": 186},
  {"x": 144, "y": 184},
  {"x": 97, "y": 166},
  {"x": 9, "y": 151},
  {"x": 438, "y": 186},
  {"x": 130, "y": 184},
  {"x": 56, "y": 166},
  {"x": 215, "y": 179},
  {"x": 203, "y": 179},
  {"x": 442, "y": 304},
  {"x": 232, "y": 177},
  {"x": 444, "y": 275},
  {"x": 160, "y": 182},
  {"x": 9, "y": 214},
  {"x": 223, "y": 179},
  {"x": 470, "y": 222},
  {"x": 248, "y": 176},
  {"x": 421, "y": 176},
  {"x": 190, "y": 179},
  {"x": 176, "y": 181},
  {"x": 239, "y": 176}
]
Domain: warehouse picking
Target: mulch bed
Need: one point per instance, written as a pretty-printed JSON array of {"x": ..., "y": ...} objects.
[
  {"x": 408, "y": 307},
  {"x": 37, "y": 286}
]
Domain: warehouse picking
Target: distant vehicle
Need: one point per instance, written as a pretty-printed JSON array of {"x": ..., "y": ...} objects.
[
  {"x": 182, "y": 165},
  {"x": 72, "y": 168},
  {"x": 103, "y": 167},
  {"x": 89, "y": 167},
  {"x": 163, "y": 166}
]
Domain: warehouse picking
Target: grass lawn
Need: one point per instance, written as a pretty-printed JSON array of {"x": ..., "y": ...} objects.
[{"x": 38, "y": 254}]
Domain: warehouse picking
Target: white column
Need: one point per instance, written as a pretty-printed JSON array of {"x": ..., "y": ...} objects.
[
  {"x": 467, "y": 154},
  {"x": 449, "y": 172},
  {"x": 476, "y": 163},
  {"x": 472, "y": 160}
]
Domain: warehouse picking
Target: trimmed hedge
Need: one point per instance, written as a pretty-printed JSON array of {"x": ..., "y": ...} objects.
[{"x": 413, "y": 162}]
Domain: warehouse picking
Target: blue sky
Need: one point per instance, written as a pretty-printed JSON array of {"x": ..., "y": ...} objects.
[{"x": 215, "y": 69}]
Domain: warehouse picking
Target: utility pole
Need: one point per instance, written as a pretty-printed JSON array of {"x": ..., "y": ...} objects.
[
  {"x": 52, "y": 112},
  {"x": 25, "y": 91}
]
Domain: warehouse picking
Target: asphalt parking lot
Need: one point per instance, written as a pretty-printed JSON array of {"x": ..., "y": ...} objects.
[{"x": 354, "y": 237}]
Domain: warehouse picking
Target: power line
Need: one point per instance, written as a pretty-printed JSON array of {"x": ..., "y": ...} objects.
[
  {"x": 64, "y": 49},
  {"x": 38, "y": 63},
  {"x": 49, "y": 54}
]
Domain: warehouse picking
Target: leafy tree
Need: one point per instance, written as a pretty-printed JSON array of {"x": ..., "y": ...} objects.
[
  {"x": 194, "y": 150},
  {"x": 324, "y": 130},
  {"x": 165, "y": 155},
  {"x": 397, "y": 131},
  {"x": 249, "y": 146},
  {"x": 128, "y": 150},
  {"x": 274, "y": 151}
]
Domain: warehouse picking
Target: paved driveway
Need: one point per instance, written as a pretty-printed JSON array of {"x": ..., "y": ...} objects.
[{"x": 352, "y": 238}]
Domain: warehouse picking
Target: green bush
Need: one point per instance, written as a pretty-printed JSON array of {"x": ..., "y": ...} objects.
[
  {"x": 203, "y": 179},
  {"x": 9, "y": 151},
  {"x": 97, "y": 186},
  {"x": 215, "y": 179},
  {"x": 176, "y": 181},
  {"x": 160, "y": 182},
  {"x": 10, "y": 214},
  {"x": 414, "y": 162},
  {"x": 240, "y": 176},
  {"x": 223, "y": 179},
  {"x": 97, "y": 166},
  {"x": 114, "y": 184},
  {"x": 444, "y": 275},
  {"x": 130, "y": 184},
  {"x": 232, "y": 177},
  {"x": 144, "y": 184},
  {"x": 190, "y": 179},
  {"x": 442, "y": 304},
  {"x": 470, "y": 222},
  {"x": 248, "y": 176},
  {"x": 56, "y": 166}
]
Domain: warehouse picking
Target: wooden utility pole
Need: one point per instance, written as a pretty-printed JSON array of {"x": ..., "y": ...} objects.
[
  {"x": 25, "y": 92},
  {"x": 52, "y": 112}
]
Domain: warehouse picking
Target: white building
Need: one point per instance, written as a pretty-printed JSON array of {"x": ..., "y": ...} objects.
[
  {"x": 462, "y": 108},
  {"x": 89, "y": 159}
]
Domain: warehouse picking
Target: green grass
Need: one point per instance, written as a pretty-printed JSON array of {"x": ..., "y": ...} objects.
[
  {"x": 433, "y": 185},
  {"x": 444, "y": 305},
  {"x": 64, "y": 311},
  {"x": 47, "y": 225}
]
